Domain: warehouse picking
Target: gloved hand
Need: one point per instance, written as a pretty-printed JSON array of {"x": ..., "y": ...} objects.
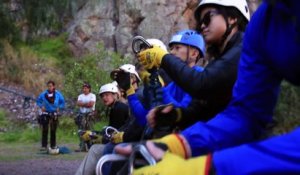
[
  {"x": 144, "y": 75},
  {"x": 122, "y": 78},
  {"x": 164, "y": 115},
  {"x": 96, "y": 139},
  {"x": 176, "y": 144},
  {"x": 86, "y": 136},
  {"x": 130, "y": 91},
  {"x": 117, "y": 137},
  {"x": 151, "y": 57},
  {"x": 173, "y": 164}
]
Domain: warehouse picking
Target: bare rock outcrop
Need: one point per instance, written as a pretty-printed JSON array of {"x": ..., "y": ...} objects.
[{"x": 115, "y": 23}]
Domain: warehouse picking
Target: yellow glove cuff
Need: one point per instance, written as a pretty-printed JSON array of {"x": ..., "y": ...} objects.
[
  {"x": 130, "y": 91},
  {"x": 117, "y": 138},
  {"x": 176, "y": 145}
]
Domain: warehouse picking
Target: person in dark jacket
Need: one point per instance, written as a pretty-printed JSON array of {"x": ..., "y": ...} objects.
[
  {"x": 118, "y": 112},
  {"x": 222, "y": 28}
]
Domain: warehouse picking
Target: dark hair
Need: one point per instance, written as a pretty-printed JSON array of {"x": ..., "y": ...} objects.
[
  {"x": 51, "y": 82},
  {"x": 87, "y": 85},
  {"x": 233, "y": 13}
]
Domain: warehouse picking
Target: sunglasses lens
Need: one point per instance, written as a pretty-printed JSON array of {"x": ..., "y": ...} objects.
[{"x": 207, "y": 18}]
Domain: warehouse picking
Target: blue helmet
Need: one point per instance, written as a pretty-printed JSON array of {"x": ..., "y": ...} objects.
[{"x": 190, "y": 38}]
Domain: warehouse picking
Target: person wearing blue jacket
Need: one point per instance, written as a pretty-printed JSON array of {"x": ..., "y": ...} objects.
[
  {"x": 51, "y": 101},
  {"x": 270, "y": 55},
  {"x": 189, "y": 46}
]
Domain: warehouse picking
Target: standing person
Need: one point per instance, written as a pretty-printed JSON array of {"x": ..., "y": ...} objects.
[
  {"x": 87, "y": 102},
  {"x": 117, "y": 111},
  {"x": 51, "y": 101}
]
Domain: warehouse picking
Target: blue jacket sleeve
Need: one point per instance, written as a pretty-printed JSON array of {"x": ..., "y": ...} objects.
[
  {"x": 278, "y": 155},
  {"x": 176, "y": 95},
  {"x": 183, "y": 99},
  {"x": 61, "y": 101},
  {"x": 138, "y": 110},
  {"x": 40, "y": 99},
  {"x": 254, "y": 97}
]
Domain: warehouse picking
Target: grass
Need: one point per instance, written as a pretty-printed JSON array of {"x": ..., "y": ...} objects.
[
  {"x": 17, "y": 151},
  {"x": 21, "y": 141},
  {"x": 20, "y": 132}
]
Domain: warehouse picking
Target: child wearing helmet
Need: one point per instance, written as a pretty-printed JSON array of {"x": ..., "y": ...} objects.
[
  {"x": 117, "y": 111},
  {"x": 188, "y": 45}
]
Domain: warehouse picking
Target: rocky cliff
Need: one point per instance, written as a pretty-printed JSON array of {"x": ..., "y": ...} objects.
[{"x": 116, "y": 22}]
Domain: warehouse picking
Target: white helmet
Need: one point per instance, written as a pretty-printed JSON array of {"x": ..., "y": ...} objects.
[
  {"x": 115, "y": 83},
  {"x": 109, "y": 87},
  {"x": 130, "y": 69},
  {"x": 241, "y": 5},
  {"x": 157, "y": 42}
]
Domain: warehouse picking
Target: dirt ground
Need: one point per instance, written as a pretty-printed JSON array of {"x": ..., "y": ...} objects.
[
  {"x": 16, "y": 159},
  {"x": 39, "y": 167}
]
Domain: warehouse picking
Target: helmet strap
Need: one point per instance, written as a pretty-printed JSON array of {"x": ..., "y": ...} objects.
[{"x": 187, "y": 55}]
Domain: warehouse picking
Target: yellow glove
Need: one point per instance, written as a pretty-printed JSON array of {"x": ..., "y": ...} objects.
[
  {"x": 151, "y": 57},
  {"x": 86, "y": 136},
  {"x": 97, "y": 139},
  {"x": 130, "y": 91},
  {"x": 145, "y": 78},
  {"x": 117, "y": 137},
  {"x": 144, "y": 75},
  {"x": 173, "y": 164},
  {"x": 176, "y": 144}
]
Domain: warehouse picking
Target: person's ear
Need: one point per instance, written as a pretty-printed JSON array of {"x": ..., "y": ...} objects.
[
  {"x": 194, "y": 53},
  {"x": 231, "y": 21}
]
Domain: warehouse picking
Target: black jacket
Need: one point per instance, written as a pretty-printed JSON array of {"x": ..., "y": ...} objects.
[
  {"x": 118, "y": 115},
  {"x": 211, "y": 89}
]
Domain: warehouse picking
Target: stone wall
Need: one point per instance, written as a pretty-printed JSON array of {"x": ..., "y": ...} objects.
[{"x": 115, "y": 22}]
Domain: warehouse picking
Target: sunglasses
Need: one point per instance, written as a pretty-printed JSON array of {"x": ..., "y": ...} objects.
[{"x": 207, "y": 18}]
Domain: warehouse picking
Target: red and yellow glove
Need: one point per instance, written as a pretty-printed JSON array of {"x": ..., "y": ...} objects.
[
  {"x": 152, "y": 57},
  {"x": 176, "y": 144},
  {"x": 173, "y": 164}
]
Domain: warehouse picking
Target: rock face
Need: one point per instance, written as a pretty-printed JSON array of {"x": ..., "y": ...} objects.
[{"x": 116, "y": 22}]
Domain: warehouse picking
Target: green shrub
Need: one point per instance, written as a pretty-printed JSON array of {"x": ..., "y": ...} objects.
[
  {"x": 94, "y": 69},
  {"x": 287, "y": 114}
]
